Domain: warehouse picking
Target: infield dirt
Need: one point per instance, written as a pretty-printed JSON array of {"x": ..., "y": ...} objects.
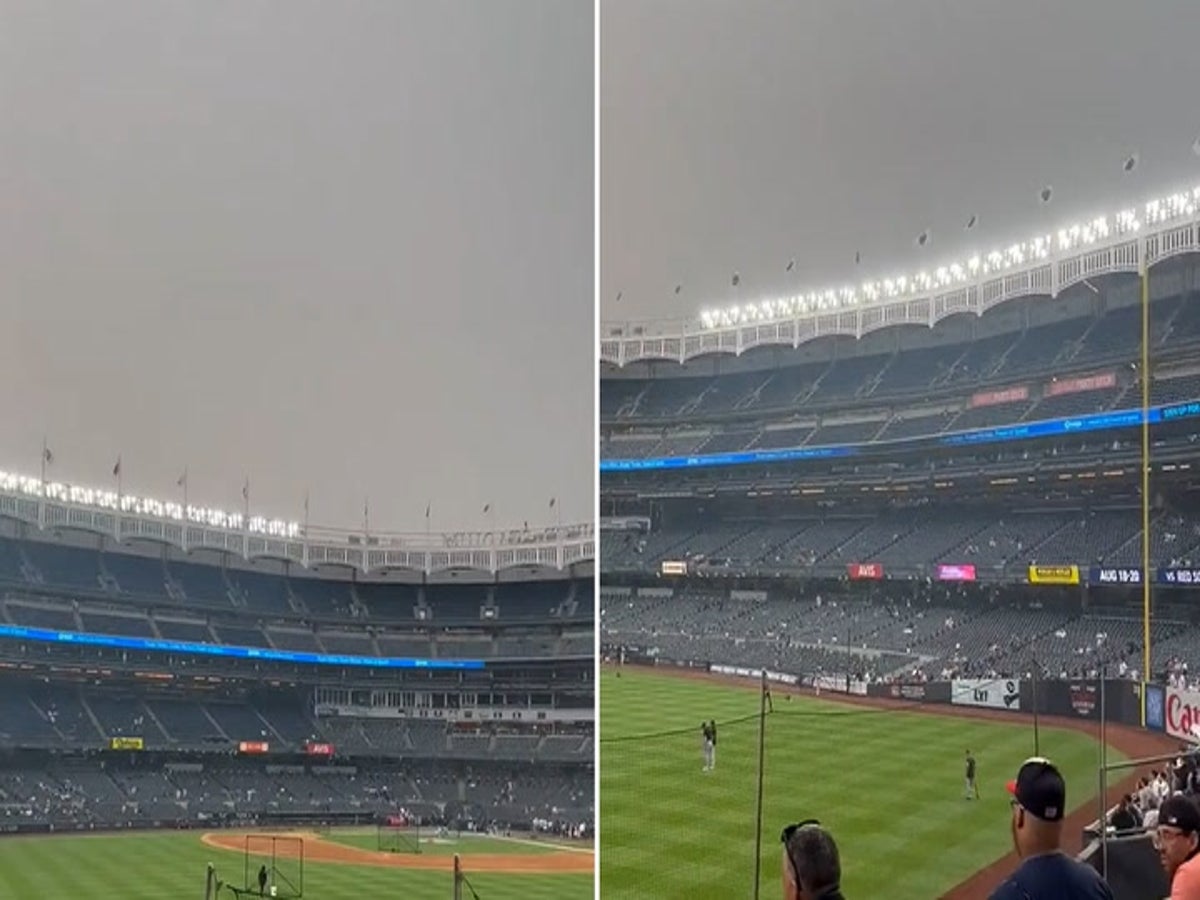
[{"x": 320, "y": 850}]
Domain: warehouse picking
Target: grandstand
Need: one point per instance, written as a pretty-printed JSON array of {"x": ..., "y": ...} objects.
[
  {"x": 162, "y": 666},
  {"x": 920, "y": 487}
]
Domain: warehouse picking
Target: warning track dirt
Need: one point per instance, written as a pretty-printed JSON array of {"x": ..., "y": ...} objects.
[{"x": 320, "y": 850}]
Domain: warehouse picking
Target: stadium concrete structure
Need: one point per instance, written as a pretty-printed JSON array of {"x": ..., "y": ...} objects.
[
  {"x": 926, "y": 488},
  {"x": 170, "y": 668}
]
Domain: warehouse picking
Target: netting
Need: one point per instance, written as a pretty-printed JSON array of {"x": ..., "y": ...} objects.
[{"x": 274, "y": 866}]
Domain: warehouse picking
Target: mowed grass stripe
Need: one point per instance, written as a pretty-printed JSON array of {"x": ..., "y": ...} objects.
[
  {"x": 151, "y": 866},
  {"x": 888, "y": 784}
]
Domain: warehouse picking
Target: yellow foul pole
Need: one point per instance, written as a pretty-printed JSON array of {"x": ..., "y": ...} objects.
[{"x": 1145, "y": 480}]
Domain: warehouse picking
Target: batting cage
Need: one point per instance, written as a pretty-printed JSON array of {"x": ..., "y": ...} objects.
[
  {"x": 392, "y": 837},
  {"x": 272, "y": 866}
]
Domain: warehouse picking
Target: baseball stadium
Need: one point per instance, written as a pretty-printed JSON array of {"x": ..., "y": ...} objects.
[
  {"x": 195, "y": 702},
  {"x": 865, "y": 534}
]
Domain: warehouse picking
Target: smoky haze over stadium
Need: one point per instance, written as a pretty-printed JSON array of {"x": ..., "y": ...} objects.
[
  {"x": 933, "y": 508},
  {"x": 346, "y": 250},
  {"x": 258, "y": 254},
  {"x": 738, "y": 137}
]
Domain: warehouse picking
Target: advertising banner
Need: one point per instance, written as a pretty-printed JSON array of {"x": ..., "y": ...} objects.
[
  {"x": 1084, "y": 697},
  {"x": 865, "y": 571},
  {"x": 126, "y": 743},
  {"x": 1183, "y": 714},
  {"x": 317, "y": 749},
  {"x": 1077, "y": 385},
  {"x": 837, "y": 684},
  {"x": 995, "y": 398},
  {"x": 922, "y": 692},
  {"x": 253, "y": 747},
  {"x": 743, "y": 672},
  {"x": 1179, "y": 576},
  {"x": 1114, "y": 575},
  {"x": 993, "y": 693},
  {"x": 674, "y": 567},
  {"x": 956, "y": 573},
  {"x": 1156, "y": 702},
  {"x": 1054, "y": 574},
  {"x": 906, "y": 691}
]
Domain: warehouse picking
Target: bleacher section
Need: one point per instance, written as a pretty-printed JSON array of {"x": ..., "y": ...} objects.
[
  {"x": 340, "y": 739},
  {"x": 61, "y": 588},
  {"x": 863, "y": 394},
  {"x": 881, "y": 637},
  {"x": 912, "y": 541},
  {"x": 73, "y": 793}
]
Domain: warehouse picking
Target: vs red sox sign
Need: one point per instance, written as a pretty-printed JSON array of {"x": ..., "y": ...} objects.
[{"x": 1183, "y": 714}]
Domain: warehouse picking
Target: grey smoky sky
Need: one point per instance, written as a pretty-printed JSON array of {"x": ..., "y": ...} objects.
[
  {"x": 739, "y": 135},
  {"x": 337, "y": 246}
]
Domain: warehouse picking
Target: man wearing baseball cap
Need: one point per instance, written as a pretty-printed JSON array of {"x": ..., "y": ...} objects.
[
  {"x": 1177, "y": 840},
  {"x": 1039, "y": 802}
]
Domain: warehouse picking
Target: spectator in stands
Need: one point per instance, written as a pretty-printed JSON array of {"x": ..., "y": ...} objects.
[
  {"x": 1126, "y": 817},
  {"x": 1039, "y": 800},
  {"x": 1177, "y": 840},
  {"x": 812, "y": 867}
]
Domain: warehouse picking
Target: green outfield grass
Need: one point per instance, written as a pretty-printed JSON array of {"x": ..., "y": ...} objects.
[
  {"x": 889, "y": 785},
  {"x": 170, "y": 865}
]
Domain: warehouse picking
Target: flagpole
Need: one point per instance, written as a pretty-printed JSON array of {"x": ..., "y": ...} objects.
[
  {"x": 306, "y": 515},
  {"x": 45, "y": 455}
]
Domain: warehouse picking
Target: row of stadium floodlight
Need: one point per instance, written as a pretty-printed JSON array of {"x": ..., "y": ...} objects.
[
  {"x": 1127, "y": 222},
  {"x": 130, "y": 504}
]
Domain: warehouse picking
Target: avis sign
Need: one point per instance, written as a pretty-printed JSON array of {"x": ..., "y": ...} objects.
[
  {"x": 1183, "y": 713},
  {"x": 993, "y": 693}
]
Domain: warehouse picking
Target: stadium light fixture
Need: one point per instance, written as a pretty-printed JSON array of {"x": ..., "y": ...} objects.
[
  {"x": 1065, "y": 240},
  {"x": 146, "y": 506}
]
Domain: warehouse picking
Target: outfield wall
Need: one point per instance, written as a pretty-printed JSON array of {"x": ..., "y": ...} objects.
[
  {"x": 1168, "y": 710},
  {"x": 137, "y": 823},
  {"x": 1075, "y": 698}
]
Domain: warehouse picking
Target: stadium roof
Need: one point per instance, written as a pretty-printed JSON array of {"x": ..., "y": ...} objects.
[
  {"x": 1046, "y": 263},
  {"x": 56, "y": 505}
]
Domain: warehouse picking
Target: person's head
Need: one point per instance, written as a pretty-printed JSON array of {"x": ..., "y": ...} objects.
[
  {"x": 1039, "y": 800},
  {"x": 1177, "y": 837},
  {"x": 812, "y": 868}
]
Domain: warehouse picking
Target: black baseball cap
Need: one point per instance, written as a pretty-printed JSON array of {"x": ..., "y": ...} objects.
[
  {"x": 1040, "y": 790},
  {"x": 1180, "y": 812}
]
